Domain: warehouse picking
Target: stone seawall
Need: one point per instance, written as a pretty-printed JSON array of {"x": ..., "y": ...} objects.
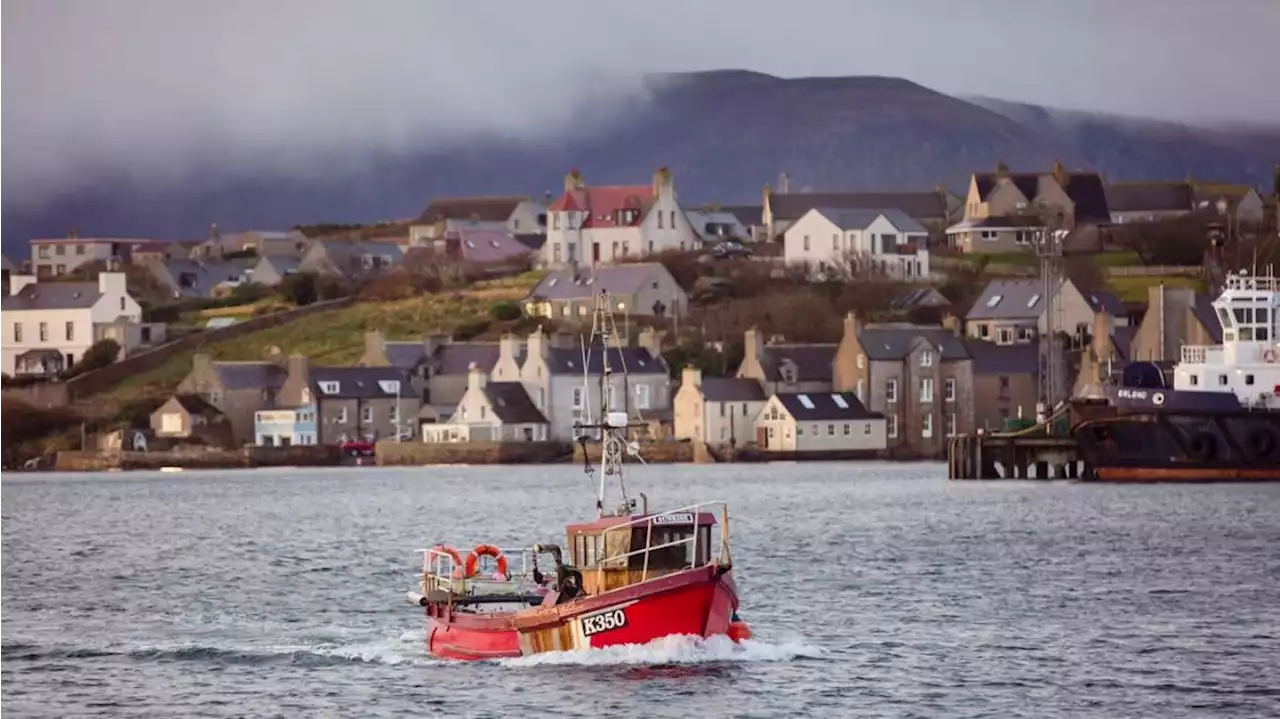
[
  {"x": 199, "y": 458},
  {"x": 652, "y": 452},
  {"x": 417, "y": 454}
]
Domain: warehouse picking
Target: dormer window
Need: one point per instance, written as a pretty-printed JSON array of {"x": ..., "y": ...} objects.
[
  {"x": 329, "y": 387},
  {"x": 926, "y": 358}
]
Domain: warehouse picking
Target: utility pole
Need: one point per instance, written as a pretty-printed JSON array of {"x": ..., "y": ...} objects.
[{"x": 1053, "y": 366}]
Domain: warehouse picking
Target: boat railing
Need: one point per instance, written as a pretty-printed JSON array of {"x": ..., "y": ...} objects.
[
  {"x": 1201, "y": 354},
  {"x": 648, "y": 522},
  {"x": 441, "y": 572}
]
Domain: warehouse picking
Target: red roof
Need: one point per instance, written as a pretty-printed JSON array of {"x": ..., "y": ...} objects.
[{"x": 602, "y": 203}]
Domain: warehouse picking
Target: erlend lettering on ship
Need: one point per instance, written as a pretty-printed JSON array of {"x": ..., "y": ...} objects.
[{"x": 1131, "y": 394}]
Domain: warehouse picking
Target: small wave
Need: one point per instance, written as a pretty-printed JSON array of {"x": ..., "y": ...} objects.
[{"x": 675, "y": 650}]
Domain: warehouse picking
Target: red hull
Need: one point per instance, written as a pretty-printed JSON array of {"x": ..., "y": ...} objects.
[
  {"x": 1186, "y": 474},
  {"x": 699, "y": 602}
]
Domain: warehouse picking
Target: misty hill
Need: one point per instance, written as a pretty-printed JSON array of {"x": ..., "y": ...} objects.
[{"x": 723, "y": 134}]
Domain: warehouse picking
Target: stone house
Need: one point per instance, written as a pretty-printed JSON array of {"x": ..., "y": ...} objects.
[
  {"x": 641, "y": 289},
  {"x": 1176, "y": 316},
  {"x": 919, "y": 377},
  {"x": 271, "y": 271},
  {"x": 819, "y": 422},
  {"x": 437, "y": 366},
  {"x": 589, "y": 226},
  {"x": 1006, "y": 382},
  {"x": 934, "y": 209},
  {"x": 198, "y": 278},
  {"x": 351, "y": 260},
  {"x": 491, "y": 412},
  {"x": 185, "y": 416},
  {"x": 1003, "y": 210},
  {"x": 64, "y": 255},
  {"x": 237, "y": 389},
  {"x": 717, "y": 410},
  {"x": 781, "y": 367},
  {"x": 1015, "y": 310},
  {"x": 1149, "y": 201},
  {"x": 256, "y": 243},
  {"x": 333, "y": 405},
  {"x": 566, "y": 391},
  {"x": 875, "y": 241},
  {"x": 516, "y": 214}
]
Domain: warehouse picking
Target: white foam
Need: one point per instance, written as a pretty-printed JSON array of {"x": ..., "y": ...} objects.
[{"x": 680, "y": 649}]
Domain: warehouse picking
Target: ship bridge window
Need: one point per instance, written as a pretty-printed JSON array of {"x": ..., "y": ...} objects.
[
  {"x": 1222, "y": 380},
  {"x": 1244, "y": 315},
  {"x": 1224, "y": 317},
  {"x": 1248, "y": 379},
  {"x": 677, "y": 555}
]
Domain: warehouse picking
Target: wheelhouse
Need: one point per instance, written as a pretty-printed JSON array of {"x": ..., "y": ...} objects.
[{"x": 613, "y": 552}]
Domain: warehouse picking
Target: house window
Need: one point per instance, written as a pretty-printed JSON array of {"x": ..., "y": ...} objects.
[
  {"x": 806, "y": 243},
  {"x": 1195, "y": 380},
  {"x": 1222, "y": 378},
  {"x": 1004, "y": 336},
  {"x": 555, "y": 250},
  {"x": 859, "y": 392},
  {"x": 926, "y": 359},
  {"x": 17, "y": 331},
  {"x": 1248, "y": 379},
  {"x": 891, "y": 391},
  {"x": 122, "y": 304},
  {"x": 71, "y": 331},
  {"x": 555, "y": 220},
  {"x": 673, "y": 219},
  {"x": 659, "y": 219},
  {"x": 848, "y": 429},
  {"x": 722, "y": 406},
  {"x": 949, "y": 390},
  {"x": 79, "y": 249},
  {"x": 926, "y": 426},
  {"x": 395, "y": 414},
  {"x": 866, "y": 428},
  {"x": 951, "y": 424},
  {"x": 984, "y": 332},
  {"x": 482, "y": 411},
  {"x": 799, "y": 430},
  {"x": 577, "y": 398},
  {"x": 926, "y": 390},
  {"x": 1004, "y": 388},
  {"x": 329, "y": 387},
  {"x": 171, "y": 422},
  {"x": 835, "y": 242},
  {"x": 60, "y": 270},
  {"x": 44, "y": 331},
  {"x": 43, "y": 252},
  {"x": 342, "y": 415},
  {"x": 891, "y": 426},
  {"x": 60, "y": 250},
  {"x": 831, "y": 430}
]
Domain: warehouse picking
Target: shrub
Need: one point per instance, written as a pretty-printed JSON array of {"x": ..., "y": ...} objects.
[
  {"x": 299, "y": 288},
  {"x": 99, "y": 355},
  {"x": 471, "y": 330},
  {"x": 396, "y": 285},
  {"x": 505, "y": 311}
]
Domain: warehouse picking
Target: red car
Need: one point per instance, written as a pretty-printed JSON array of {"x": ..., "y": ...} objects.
[{"x": 357, "y": 449}]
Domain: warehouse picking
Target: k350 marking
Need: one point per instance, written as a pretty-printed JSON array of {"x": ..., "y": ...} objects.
[{"x": 605, "y": 621}]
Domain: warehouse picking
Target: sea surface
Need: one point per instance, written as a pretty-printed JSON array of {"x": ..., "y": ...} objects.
[{"x": 874, "y": 590}]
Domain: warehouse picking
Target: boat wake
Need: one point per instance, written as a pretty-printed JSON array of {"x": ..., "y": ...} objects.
[{"x": 675, "y": 650}]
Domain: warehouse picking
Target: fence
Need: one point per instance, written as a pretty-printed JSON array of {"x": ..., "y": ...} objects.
[{"x": 91, "y": 383}]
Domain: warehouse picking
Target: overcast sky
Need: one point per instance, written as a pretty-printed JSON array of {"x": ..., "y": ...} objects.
[{"x": 149, "y": 82}]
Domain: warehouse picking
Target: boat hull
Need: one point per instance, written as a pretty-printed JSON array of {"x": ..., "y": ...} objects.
[
  {"x": 698, "y": 602},
  {"x": 1190, "y": 446}
]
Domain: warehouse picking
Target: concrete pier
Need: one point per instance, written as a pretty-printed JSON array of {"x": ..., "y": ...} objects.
[{"x": 1013, "y": 457}]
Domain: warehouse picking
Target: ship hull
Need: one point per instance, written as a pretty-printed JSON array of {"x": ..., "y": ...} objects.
[
  {"x": 1152, "y": 447},
  {"x": 698, "y": 602}
]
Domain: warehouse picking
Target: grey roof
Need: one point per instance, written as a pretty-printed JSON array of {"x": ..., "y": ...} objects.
[
  {"x": 999, "y": 222},
  {"x": 860, "y": 219},
  {"x": 732, "y": 389},
  {"x": 405, "y": 355},
  {"x": 533, "y": 240},
  {"x": 921, "y": 205},
  {"x": 1150, "y": 197},
  {"x": 341, "y": 252},
  {"x": 920, "y": 297},
  {"x": 748, "y": 215},
  {"x": 1202, "y": 308},
  {"x": 493, "y": 209},
  {"x": 812, "y": 362},
  {"x": 701, "y": 219},
  {"x": 806, "y": 406},
  {"x": 1014, "y": 299},
  {"x": 197, "y": 279},
  {"x": 361, "y": 382},
  {"x": 1108, "y": 301},
  {"x": 511, "y": 403},
  {"x": 614, "y": 279},
  {"x": 282, "y": 263},
  {"x": 250, "y": 375},
  {"x": 895, "y": 342},
  {"x": 456, "y": 359},
  {"x": 991, "y": 358},
  {"x": 489, "y": 246},
  {"x": 635, "y": 360},
  {"x": 7, "y": 265},
  {"x": 54, "y": 296},
  {"x": 195, "y": 404}
]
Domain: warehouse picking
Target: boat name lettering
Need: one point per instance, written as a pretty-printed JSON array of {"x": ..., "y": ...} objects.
[
  {"x": 682, "y": 518},
  {"x": 604, "y": 622},
  {"x": 1131, "y": 394}
]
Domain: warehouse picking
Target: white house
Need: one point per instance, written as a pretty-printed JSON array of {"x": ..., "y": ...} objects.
[
  {"x": 64, "y": 255},
  {"x": 595, "y": 225},
  {"x": 717, "y": 410},
  {"x": 49, "y": 325},
  {"x": 885, "y": 242},
  {"x": 491, "y": 412},
  {"x": 814, "y": 422}
]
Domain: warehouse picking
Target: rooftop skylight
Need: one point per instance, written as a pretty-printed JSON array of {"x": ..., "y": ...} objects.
[
  {"x": 805, "y": 401},
  {"x": 995, "y": 300},
  {"x": 839, "y": 401}
]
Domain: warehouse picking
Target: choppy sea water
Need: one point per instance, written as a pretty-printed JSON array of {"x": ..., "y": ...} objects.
[{"x": 873, "y": 591}]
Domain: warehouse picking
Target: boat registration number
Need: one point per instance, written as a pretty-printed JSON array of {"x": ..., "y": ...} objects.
[{"x": 604, "y": 622}]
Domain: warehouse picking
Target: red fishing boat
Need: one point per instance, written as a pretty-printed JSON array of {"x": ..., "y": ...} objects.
[{"x": 629, "y": 576}]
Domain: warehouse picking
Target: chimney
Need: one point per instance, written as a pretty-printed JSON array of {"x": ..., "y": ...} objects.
[
  {"x": 17, "y": 282},
  {"x": 538, "y": 343},
  {"x": 752, "y": 346},
  {"x": 509, "y": 347},
  {"x": 661, "y": 180},
  {"x": 651, "y": 340},
  {"x": 1060, "y": 173},
  {"x": 201, "y": 364},
  {"x": 298, "y": 378},
  {"x": 953, "y": 323},
  {"x": 573, "y": 180},
  {"x": 852, "y": 325},
  {"x": 1102, "y": 335},
  {"x": 1001, "y": 169},
  {"x": 112, "y": 282},
  {"x": 691, "y": 376},
  {"x": 375, "y": 350},
  {"x": 476, "y": 378}
]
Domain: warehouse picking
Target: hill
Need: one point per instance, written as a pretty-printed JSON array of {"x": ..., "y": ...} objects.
[{"x": 724, "y": 134}]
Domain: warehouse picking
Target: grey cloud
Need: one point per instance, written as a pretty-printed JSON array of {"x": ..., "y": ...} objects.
[{"x": 164, "y": 86}]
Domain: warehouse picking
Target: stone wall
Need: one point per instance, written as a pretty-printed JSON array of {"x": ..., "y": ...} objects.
[
  {"x": 391, "y": 453},
  {"x": 91, "y": 383},
  {"x": 652, "y": 452},
  {"x": 199, "y": 458}
]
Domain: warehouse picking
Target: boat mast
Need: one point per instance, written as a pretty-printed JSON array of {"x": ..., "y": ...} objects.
[{"x": 612, "y": 424}]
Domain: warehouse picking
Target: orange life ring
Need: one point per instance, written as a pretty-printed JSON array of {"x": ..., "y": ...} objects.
[
  {"x": 453, "y": 554},
  {"x": 485, "y": 550}
]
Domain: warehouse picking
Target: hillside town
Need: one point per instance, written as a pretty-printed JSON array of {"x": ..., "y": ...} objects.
[{"x": 823, "y": 324}]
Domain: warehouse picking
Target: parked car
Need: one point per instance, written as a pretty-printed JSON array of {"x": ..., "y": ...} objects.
[
  {"x": 357, "y": 449},
  {"x": 730, "y": 248}
]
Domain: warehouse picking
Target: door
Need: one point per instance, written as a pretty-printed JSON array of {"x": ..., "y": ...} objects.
[
  {"x": 762, "y": 437},
  {"x": 595, "y": 252}
]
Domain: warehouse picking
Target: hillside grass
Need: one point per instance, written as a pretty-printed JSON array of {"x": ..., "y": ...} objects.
[
  {"x": 335, "y": 337},
  {"x": 1137, "y": 289}
]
